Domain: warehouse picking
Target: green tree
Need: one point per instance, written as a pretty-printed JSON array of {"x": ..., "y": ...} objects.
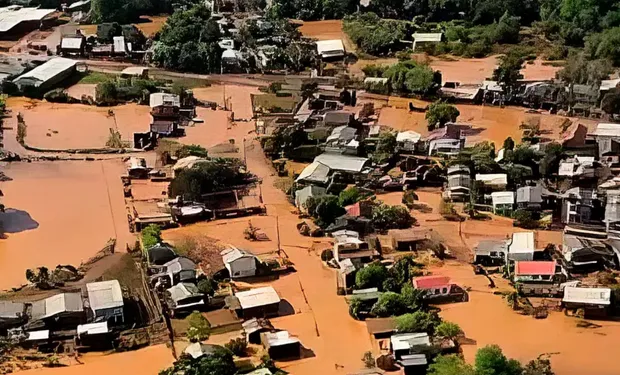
[
  {"x": 151, "y": 236},
  {"x": 349, "y": 196},
  {"x": 509, "y": 144},
  {"x": 191, "y": 150},
  {"x": 509, "y": 70},
  {"x": 219, "y": 362},
  {"x": 189, "y": 42},
  {"x": 525, "y": 219},
  {"x": 412, "y": 297},
  {"x": 439, "y": 114},
  {"x": 324, "y": 209},
  {"x": 578, "y": 69},
  {"x": 199, "y": 327},
  {"x": 490, "y": 360},
  {"x": 389, "y": 304},
  {"x": 551, "y": 160},
  {"x": 371, "y": 276},
  {"x": 419, "y": 321},
  {"x": 374, "y": 35},
  {"x": 237, "y": 346},
  {"x": 207, "y": 286},
  {"x": 386, "y": 217},
  {"x": 448, "y": 330},
  {"x": 450, "y": 365},
  {"x": 411, "y": 77},
  {"x": 106, "y": 92},
  {"x": 207, "y": 177},
  {"x": 507, "y": 29},
  {"x": 538, "y": 366}
]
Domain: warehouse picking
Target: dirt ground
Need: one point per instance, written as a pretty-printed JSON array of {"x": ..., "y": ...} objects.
[
  {"x": 66, "y": 126},
  {"x": 149, "y": 26},
  {"x": 59, "y": 213}
]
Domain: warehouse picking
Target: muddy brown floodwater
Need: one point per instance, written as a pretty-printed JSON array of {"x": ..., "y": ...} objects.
[{"x": 59, "y": 212}]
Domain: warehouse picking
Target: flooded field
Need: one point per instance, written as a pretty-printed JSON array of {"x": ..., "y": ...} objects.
[
  {"x": 59, "y": 213},
  {"x": 66, "y": 126}
]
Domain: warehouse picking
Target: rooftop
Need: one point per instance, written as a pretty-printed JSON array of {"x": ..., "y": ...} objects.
[
  {"x": 163, "y": 98},
  {"x": 607, "y": 130},
  {"x": 326, "y": 46},
  {"x": 342, "y": 163},
  {"x": 58, "y": 304},
  {"x": 280, "y": 338},
  {"x": 12, "y": 16},
  {"x": 48, "y": 70},
  {"x": 493, "y": 178},
  {"x": 429, "y": 282},
  {"x": 315, "y": 172},
  {"x": 529, "y": 268},
  {"x": 258, "y": 297},
  {"x": 503, "y": 197},
  {"x": 105, "y": 295},
  {"x": 232, "y": 254},
  {"x": 182, "y": 291},
  {"x": 11, "y": 310},
  {"x": 594, "y": 296},
  {"x": 427, "y": 37},
  {"x": 406, "y": 341},
  {"x": 522, "y": 242}
]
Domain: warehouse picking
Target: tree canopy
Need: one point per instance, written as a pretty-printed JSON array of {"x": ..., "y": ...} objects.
[
  {"x": 371, "y": 276},
  {"x": 220, "y": 362},
  {"x": 188, "y": 42},
  {"x": 374, "y": 35},
  {"x": 386, "y": 217},
  {"x": 439, "y": 114}
]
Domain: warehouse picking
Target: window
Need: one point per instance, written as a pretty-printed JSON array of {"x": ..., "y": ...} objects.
[
  {"x": 444, "y": 291},
  {"x": 436, "y": 291},
  {"x": 493, "y": 253}
]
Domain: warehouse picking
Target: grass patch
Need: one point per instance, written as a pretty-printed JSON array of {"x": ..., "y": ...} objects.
[{"x": 96, "y": 77}]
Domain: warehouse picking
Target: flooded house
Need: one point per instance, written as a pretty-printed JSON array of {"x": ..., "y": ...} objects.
[
  {"x": 17, "y": 21},
  {"x": 595, "y": 302},
  {"x": 534, "y": 271},
  {"x": 12, "y": 315},
  {"x": 46, "y": 76},
  {"x": 178, "y": 270},
  {"x": 330, "y": 49},
  {"x": 59, "y": 312},
  {"x": 106, "y": 301},
  {"x": 407, "y": 141},
  {"x": 165, "y": 115},
  {"x": 586, "y": 254},
  {"x": 459, "y": 183},
  {"x": 256, "y": 303},
  {"x": 490, "y": 252},
  {"x": 348, "y": 245},
  {"x": 184, "y": 297},
  {"x": 160, "y": 254},
  {"x": 310, "y": 191},
  {"x": 426, "y": 38},
  {"x": 403, "y": 344},
  {"x": 439, "y": 289},
  {"x": 581, "y": 206},
  {"x": 408, "y": 239},
  {"x": 240, "y": 263},
  {"x": 281, "y": 345},
  {"x": 607, "y": 136},
  {"x": 254, "y": 327},
  {"x": 315, "y": 173},
  {"x": 72, "y": 45},
  {"x": 492, "y": 181}
]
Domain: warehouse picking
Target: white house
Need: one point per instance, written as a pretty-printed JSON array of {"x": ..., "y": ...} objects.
[
  {"x": 521, "y": 246},
  {"x": 239, "y": 263},
  {"x": 503, "y": 200},
  {"x": 330, "y": 48}
]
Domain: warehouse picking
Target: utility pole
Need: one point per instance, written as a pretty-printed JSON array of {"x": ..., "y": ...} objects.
[
  {"x": 245, "y": 156},
  {"x": 278, "y": 233}
]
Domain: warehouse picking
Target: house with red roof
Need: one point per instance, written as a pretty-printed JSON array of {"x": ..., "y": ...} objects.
[
  {"x": 535, "y": 271},
  {"x": 439, "y": 289}
]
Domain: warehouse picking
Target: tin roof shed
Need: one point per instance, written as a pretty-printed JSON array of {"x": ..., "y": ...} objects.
[
  {"x": 105, "y": 295},
  {"x": 257, "y": 297}
]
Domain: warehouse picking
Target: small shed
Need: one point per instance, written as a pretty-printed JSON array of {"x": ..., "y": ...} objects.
[
  {"x": 381, "y": 327},
  {"x": 587, "y": 298},
  {"x": 529, "y": 197},
  {"x": 106, "y": 301},
  {"x": 490, "y": 252},
  {"x": 426, "y": 38},
  {"x": 409, "y": 343},
  {"x": 198, "y": 349},
  {"x": 12, "y": 314},
  {"x": 258, "y": 303},
  {"x": 119, "y": 46},
  {"x": 281, "y": 345},
  {"x": 254, "y": 327},
  {"x": 160, "y": 254},
  {"x": 493, "y": 180},
  {"x": 239, "y": 263},
  {"x": 414, "y": 364}
]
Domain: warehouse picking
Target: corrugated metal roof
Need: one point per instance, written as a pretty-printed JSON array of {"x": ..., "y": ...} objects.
[
  {"x": 375, "y": 80},
  {"x": 593, "y": 296},
  {"x": 105, "y": 295},
  {"x": 38, "y": 335},
  {"x": 529, "y": 194},
  {"x": 180, "y": 264},
  {"x": 413, "y": 360},
  {"x": 58, "y": 304},
  {"x": 608, "y": 84},
  {"x": 12, "y": 16},
  {"x": 526, "y": 268},
  {"x": 183, "y": 290},
  {"x": 406, "y": 341},
  {"x": 408, "y": 136},
  {"x": 135, "y": 70},
  {"x": 339, "y": 162},
  {"x": 429, "y": 282},
  {"x": 258, "y": 297},
  {"x": 427, "y": 37},
  {"x": 48, "y": 70},
  {"x": 315, "y": 172},
  {"x": 163, "y": 98},
  {"x": 197, "y": 350},
  {"x": 503, "y": 197},
  {"x": 11, "y": 310},
  {"x": 302, "y": 195},
  {"x": 522, "y": 242},
  {"x": 119, "y": 44}
]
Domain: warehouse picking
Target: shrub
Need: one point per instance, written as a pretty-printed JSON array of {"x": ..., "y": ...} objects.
[
  {"x": 151, "y": 236},
  {"x": 419, "y": 321},
  {"x": 207, "y": 286},
  {"x": 389, "y": 304},
  {"x": 525, "y": 219},
  {"x": 191, "y": 150},
  {"x": 371, "y": 276},
  {"x": 439, "y": 114},
  {"x": 199, "y": 327},
  {"x": 448, "y": 330},
  {"x": 238, "y": 346},
  {"x": 386, "y": 217},
  {"x": 349, "y": 196}
]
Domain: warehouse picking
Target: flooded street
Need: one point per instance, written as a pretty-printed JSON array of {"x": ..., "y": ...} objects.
[{"x": 59, "y": 213}]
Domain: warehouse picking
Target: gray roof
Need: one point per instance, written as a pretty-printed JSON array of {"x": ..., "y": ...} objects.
[
  {"x": 71, "y": 42},
  {"x": 458, "y": 169},
  {"x": 182, "y": 291},
  {"x": 337, "y": 117},
  {"x": 180, "y": 264},
  {"x": 47, "y": 71},
  {"x": 345, "y": 163},
  {"x": 13, "y": 15},
  {"x": 58, "y": 304},
  {"x": 459, "y": 180},
  {"x": 529, "y": 194},
  {"x": 105, "y": 295},
  {"x": 413, "y": 360},
  {"x": 11, "y": 310},
  {"x": 197, "y": 350},
  {"x": 486, "y": 246},
  {"x": 315, "y": 172}
]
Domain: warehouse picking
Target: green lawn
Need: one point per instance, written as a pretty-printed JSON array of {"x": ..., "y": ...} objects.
[{"x": 96, "y": 77}]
